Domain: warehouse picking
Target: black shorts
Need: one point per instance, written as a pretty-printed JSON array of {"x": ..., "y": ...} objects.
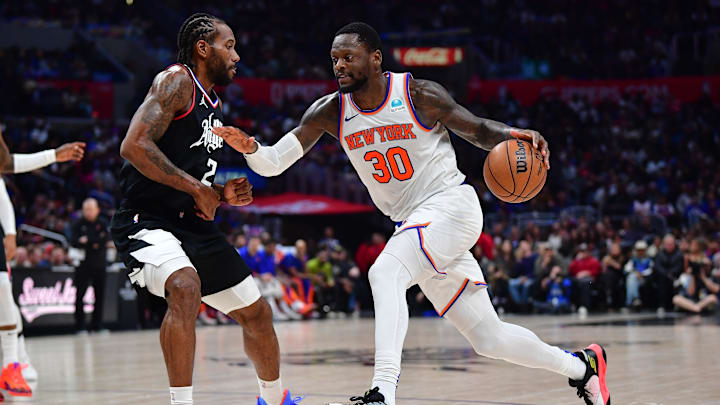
[{"x": 217, "y": 263}]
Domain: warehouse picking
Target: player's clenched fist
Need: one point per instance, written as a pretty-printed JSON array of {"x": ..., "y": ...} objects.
[
  {"x": 238, "y": 192},
  {"x": 70, "y": 151},
  {"x": 206, "y": 202},
  {"x": 237, "y": 139}
]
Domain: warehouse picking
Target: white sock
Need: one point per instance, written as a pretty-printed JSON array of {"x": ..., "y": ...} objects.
[
  {"x": 496, "y": 339},
  {"x": 22, "y": 354},
  {"x": 9, "y": 347},
  {"x": 271, "y": 391},
  {"x": 389, "y": 280},
  {"x": 181, "y": 395}
]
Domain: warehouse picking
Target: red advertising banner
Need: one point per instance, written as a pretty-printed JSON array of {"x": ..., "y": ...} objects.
[
  {"x": 101, "y": 94},
  {"x": 682, "y": 89},
  {"x": 426, "y": 56},
  {"x": 276, "y": 92},
  {"x": 304, "y": 204}
]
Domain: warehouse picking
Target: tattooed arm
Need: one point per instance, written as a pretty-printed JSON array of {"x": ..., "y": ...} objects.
[
  {"x": 434, "y": 104},
  {"x": 170, "y": 94}
]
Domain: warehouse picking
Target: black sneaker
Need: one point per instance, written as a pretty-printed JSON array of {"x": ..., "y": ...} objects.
[
  {"x": 593, "y": 388},
  {"x": 372, "y": 397}
]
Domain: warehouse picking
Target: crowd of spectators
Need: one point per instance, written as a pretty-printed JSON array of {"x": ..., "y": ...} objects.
[
  {"x": 559, "y": 38},
  {"x": 633, "y": 200},
  {"x": 659, "y": 182}
]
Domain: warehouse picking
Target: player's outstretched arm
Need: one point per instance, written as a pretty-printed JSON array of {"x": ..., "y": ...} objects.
[
  {"x": 433, "y": 102},
  {"x": 170, "y": 94},
  {"x": 269, "y": 161},
  {"x": 27, "y": 162}
]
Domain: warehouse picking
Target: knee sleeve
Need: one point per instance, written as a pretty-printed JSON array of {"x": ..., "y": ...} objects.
[{"x": 8, "y": 312}]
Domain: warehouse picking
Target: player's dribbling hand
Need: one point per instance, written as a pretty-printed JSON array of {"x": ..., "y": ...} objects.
[
  {"x": 237, "y": 139},
  {"x": 70, "y": 151},
  {"x": 206, "y": 202},
  {"x": 537, "y": 140},
  {"x": 238, "y": 192}
]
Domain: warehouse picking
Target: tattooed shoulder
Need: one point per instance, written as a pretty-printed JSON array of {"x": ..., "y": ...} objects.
[
  {"x": 170, "y": 94},
  {"x": 173, "y": 89}
]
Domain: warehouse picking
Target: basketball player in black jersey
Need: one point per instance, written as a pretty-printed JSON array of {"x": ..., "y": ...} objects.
[{"x": 164, "y": 228}]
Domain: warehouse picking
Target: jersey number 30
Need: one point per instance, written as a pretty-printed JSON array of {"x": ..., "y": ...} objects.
[{"x": 396, "y": 157}]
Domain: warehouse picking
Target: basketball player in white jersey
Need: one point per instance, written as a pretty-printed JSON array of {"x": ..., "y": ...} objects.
[
  {"x": 16, "y": 368},
  {"x": 394, "y": 130}
]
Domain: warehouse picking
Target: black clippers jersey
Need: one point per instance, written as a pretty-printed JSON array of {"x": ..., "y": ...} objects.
[{"x": 190, "y": 145}]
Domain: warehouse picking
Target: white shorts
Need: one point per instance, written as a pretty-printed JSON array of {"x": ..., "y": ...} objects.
[
  {"x": 434, "y": 244},
  {"x": 164, "y": 256}
]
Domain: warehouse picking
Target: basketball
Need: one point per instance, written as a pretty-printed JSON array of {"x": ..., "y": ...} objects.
[{"x": 514, "y": 171}]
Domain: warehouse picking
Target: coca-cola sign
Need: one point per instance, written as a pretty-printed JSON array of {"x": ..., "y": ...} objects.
[{"x": 427, "y": 56}]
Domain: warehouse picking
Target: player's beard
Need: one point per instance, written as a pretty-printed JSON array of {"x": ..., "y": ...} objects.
[
  {"x": 355, "y": 86},
  {"x": 219, "y": 72}
]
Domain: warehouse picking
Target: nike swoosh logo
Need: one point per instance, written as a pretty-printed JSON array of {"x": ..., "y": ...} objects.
[{"x": 348, "y": 119}]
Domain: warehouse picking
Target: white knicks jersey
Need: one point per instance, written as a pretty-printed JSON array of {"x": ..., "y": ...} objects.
[{"x": 401, "y": 162}]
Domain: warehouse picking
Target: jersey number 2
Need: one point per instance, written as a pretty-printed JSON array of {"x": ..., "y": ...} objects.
[
  {"x": 393, "y": 155},
  {"x": 213, "y": 167}
]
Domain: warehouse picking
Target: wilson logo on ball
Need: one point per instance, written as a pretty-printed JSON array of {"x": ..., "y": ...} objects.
[{"x": 520, "y": 158}]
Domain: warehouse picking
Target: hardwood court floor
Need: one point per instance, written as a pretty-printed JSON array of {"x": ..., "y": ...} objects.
[{"x": 650, "y": 362}]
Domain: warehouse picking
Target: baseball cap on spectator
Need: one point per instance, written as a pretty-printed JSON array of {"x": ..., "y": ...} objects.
[{"x": 641, "y": 245}]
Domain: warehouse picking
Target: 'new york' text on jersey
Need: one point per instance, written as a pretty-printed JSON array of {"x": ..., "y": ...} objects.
[{"x": 400, "y": 161}]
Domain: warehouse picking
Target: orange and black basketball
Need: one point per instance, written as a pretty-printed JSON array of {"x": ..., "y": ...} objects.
[{"x": 514, "y": 171}]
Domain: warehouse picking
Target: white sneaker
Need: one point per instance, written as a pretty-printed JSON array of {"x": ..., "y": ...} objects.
[
  {"x": 289, "y": 311},
  {"x": 582, "y": 312},
  {"x": 29, "y": 372}
]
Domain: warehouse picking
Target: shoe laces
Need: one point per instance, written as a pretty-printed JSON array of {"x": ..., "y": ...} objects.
[
  {"x": 370, "y": 397},
  {"x": 581, "y": 391}
]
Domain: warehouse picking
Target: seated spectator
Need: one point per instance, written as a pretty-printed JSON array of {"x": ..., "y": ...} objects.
[
  {"x": 668, "y": 265},
  {"x": 58, "y": 260},
  {"x": 270, "y": 287},
  {"x": 329, "y": 241},
  {"x": 262, "y": 265},
  {"x": 22, "y": 259},
  {"x": 347, "y": 277},
  {"x": 613, "y": 277},
  {"x": 584, "y": 270},
  {"x": 365, "y": 256},
  {"x": 498, "y": 282},
  {"x": 251, "y": 255},
  {"x": 320, "y": 271},
  {"x": 545, "y": 262},
  {"x": 558, "y": 289},
  {"x": 37, "y": 258},
  {"x": 239, "y": 240},
  {"x": 637, "y": 269},
  {"x": 488, "y": 245},
  {"x": 299, "y": 290},
  {"x": 698, "y": 290},
  {"x": 523, "y": 275}
]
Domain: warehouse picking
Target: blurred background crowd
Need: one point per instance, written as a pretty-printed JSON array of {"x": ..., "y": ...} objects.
[{"x": 629, "y": 218}]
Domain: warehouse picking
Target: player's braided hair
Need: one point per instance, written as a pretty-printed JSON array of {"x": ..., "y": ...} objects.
[{"x": 198, "y": 26}]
